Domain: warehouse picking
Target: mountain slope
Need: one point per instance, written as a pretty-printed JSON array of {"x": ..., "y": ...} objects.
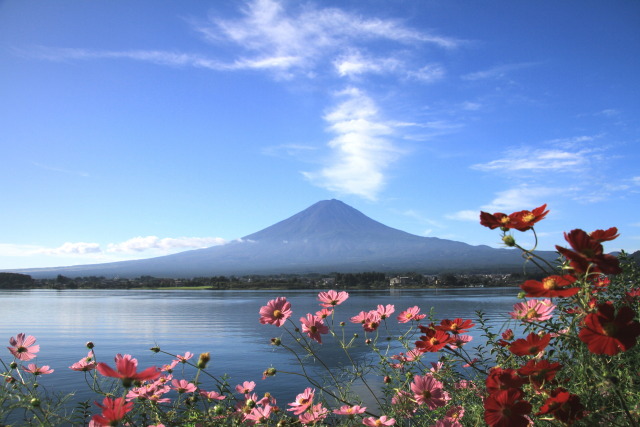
[{"x": 327, "y": 236}]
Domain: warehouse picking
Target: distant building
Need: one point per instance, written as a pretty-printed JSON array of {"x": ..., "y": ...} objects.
[{"x": 398, "y": 281}]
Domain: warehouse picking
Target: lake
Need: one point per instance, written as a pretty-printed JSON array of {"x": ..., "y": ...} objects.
[{"x": 224, "y": 323}]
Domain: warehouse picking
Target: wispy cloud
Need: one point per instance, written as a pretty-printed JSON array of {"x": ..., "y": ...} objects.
[
  {"x": 539, "y": 159},
  {"x": 521, "y": 197},
  {"x": 167, "y": 244},
  {"x": 464, "y": 215},
  {"x": 362, "y": 150},
  {"x": 499, "y": 71}
]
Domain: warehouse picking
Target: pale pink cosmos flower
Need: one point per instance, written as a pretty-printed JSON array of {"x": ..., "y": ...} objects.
[
  {"x": 324, "y": 313},
  {"x": 169, "y": 367},
  {"x": 429, "y": 391},
  {"x": 276, "y": 312},
  {"x": 332, "y": 298},
  {"x": 359, "y": 318},
  {"x": 85, "y": 364},
  {"x": 413, "y": 355},
  {"x": 303, "y": 401},
  {"x": 377, "y": 422},
  {"x": 183, "y": 386},
  {"x": 350, "y": 411},
  {"x": 455, "y": 413},
  {"x": 23, "y": 347},
  {"x": 151, "y": 392},
  {"x": 32, "y": 368},
  {"x": 411, "y": 313},
  {"x": 459, "y": 341},
  {"x": 183, "y": 359},
  {"x": 259, "y": 415},
  {"x": 533, "y": 310},
  {"x": 246, "y": 387},
  {"x": 212, "y": 395},
  {"x": 371, "y": 321},
  {"x": 385, "y": 311},
  {"x": 314, "y": 326},
  {"x": 315, "y": 414}
]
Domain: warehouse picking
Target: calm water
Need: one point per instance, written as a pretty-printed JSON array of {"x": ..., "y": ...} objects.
[{"x": 224, "y": 323}]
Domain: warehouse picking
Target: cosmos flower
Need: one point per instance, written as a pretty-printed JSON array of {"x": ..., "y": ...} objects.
[
  {"x": 212, "y": 395},
  {"x": 533, "y": 310},
  {"x": 85, "y": 364},
  {"x": 350, "y": 411},
  {"x": 411, "y": 313},
  {"x": 113, "y": 411},
  {"x": 378, "y": 422},
  {"x": 314, "y": 326},
  {"x": 23, "y": 347},
  {"x": 332, "y": 298},
  {"x": 429, "y": 391},
  {"x": 183, "y": 386},
  {"x": 552, "y": 286},
  {"x": 564, "y": 406},
  {"x": 455, "y": 326},
  {"x": 276, "y": 312},
  {"x": 433, "y": 340},
  {"x": 588, "y": 254},
  {"x": 385, "y": 311},
  {"x": 126, "y": 370},
  {"x": 32, "y": 368},
  {"x": 246, "y": 387},
  {"x": 506, "y": 408},
  {"x": 606, "y": 332},
  {"x": 530, "y": 346},
  {"x": 302, "y": 402}
]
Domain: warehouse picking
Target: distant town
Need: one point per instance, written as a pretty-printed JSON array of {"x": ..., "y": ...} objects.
[{"x": 364, "y": 280}]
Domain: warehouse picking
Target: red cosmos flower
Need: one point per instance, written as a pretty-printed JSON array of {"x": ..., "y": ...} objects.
[
  {"x": 503, "y": 379},
  {"x": 605, "y": 332},
  {"x": 127, "y": 370},
  {"x": 552, "y": 286},
  {"x": 530, "y": 346},
  {"x": 506, "y": 409},
  {"x": 495, "y": 220},
  {"x": 540, "y": 372},
  {"x": 276, "y": 312},
  {"x": 587, "y": 251},
  {"x": 113, "y": 411},
  {"x": 524, "y": 220},
  {"x": 433, "y": 340},
  {"x": 604, "y": 235},
  {"x": 455, "y": 326},
  {"x": 564, "y": 406},
  {"x": 23, "y": 347}
]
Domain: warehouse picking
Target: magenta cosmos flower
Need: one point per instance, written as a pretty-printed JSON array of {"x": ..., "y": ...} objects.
[
  {"x": 429, "y": 391},
  {"x": 411, "y": 313},
  {"x": 303, "y": 401},
  {"x": 32, "y": 368},
  {"x": 276, "y": 312},
  {"x": 85, "y": 364},
  {"x": 183, "y": 386},
  {"x": 23, "y": 347},
  {"x": 113, "y": 411},
  {"x": 350, "y": 411},
  {"x": 332, "y": 298},
  {"x": 127, "y": 370},
  {"x": 313, "y": 326},
  {"x": 533, "y": 310}
]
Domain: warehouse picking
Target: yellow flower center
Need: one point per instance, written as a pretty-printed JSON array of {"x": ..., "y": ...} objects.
[
  {"x": 313, "y": 329},
  {"x": 505, "y": 219},
  {"x": 277, "y": 314},
  {"x": 528, "y": 217},
  {"x": 549, "y": 283},
  {"x": 532, "y": 313}
]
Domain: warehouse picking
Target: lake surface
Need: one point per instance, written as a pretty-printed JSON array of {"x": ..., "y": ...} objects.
[{"x": 224, "y": 323}]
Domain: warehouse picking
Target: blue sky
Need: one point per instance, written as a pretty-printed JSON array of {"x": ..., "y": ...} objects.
[{"x": 136, "y": 129}]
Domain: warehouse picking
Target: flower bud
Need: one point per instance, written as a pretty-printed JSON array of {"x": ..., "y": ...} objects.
[
  {"x": 203, "y": 360},
  {"x": 35, "y": 402},
  {"x": 155, "y": 349},
  {"x": 269, "y": 372},
  {"x": 89, "y": 345},
  {"x": 521, "y": 295},
  {"x": 367, "y": 341},
  {"x": 13, "y": 365},
  {"x": 276, "y": 341},
  {"x": 387, "y": 379},
  {"x": 509, "y": 240},
  {"x": 342, "y": 323},
  {"x": 250, "y": 403},
  {"x": 218, "y": 409}
]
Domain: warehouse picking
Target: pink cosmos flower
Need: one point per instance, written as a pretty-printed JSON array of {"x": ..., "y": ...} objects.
[
  {"x": 183, "y": 386},
  {"x": 85, "y": 364},
  {"x": 385, "y": 311},
  {"x": 411, "y": 313},
  {"x": 151, "y": 392},
  {"x": 113, "y": 411},
  {"x": 359, "y": 318},
  {"x": 276, "y": 312},
  {"x": 23, "y": 347},
  {"x": 32, "y": 368},
  {"x": 332, "y": 298},
  {"x": 303, "y": 401},
  {"x": 324, "y": 313},
  {"x": 459, "y": 340},
  {"x": 259, "y": 415},
  {"x": 169, "y": 367},
  {"x": 127, "y": 368},
  {"x": 429, "y": 391},
  {"x": 183, "y": 359},
  {"x": 533, "y": 310},
  {"x": 377, "y": 422},
  {"x": 246, "y": 387},
  {"x": 314, "y": 326},
  {"x": 315, "y": 414},
  {"x": 371, "y": 321},
  {"x": 350, "y": 411},
  {"x": 212, "y": 395}
]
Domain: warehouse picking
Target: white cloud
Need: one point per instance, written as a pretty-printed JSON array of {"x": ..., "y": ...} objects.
[
  {"x": 498, "y": 72},
  {"x": 428, "y": 74},
  {"x": 538, "y": 160},
  {"x": 167, "y": 244},
  {"x": 76, "y": 248},
  {"x": 518, "y": 198},
  {"x": 465, "y": 215},
  {"x": 362, "y": 150}
]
